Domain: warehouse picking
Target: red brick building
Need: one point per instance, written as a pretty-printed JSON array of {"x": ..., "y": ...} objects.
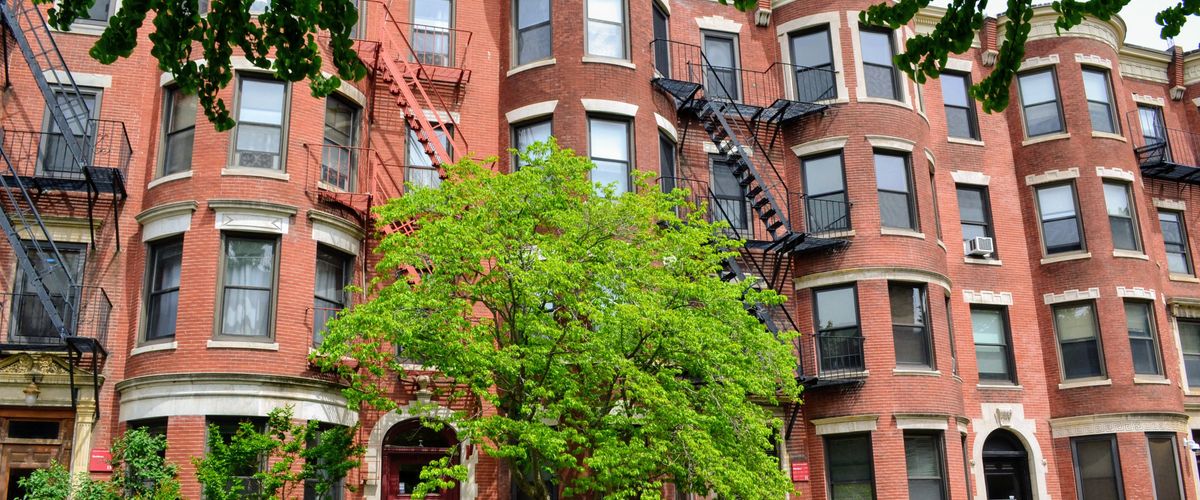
[{"x": 994, "y": 305}]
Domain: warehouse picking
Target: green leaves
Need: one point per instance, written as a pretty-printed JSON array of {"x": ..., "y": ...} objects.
[
  {"x": 593, "y": 324},
  {"x": 290, "y": 39}
]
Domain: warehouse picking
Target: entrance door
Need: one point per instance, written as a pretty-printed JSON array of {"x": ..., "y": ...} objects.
[
  {"x": 407, "y": 448},
  {"x": 30, "y": 439},
  {"x": 1006, "y": 467}
]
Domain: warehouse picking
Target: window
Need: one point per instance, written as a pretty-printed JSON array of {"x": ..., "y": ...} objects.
[
  {"x": 1154, "y": 128},
  {"x": 55, "y": 157},
  {"x": 937, "y": 213},
  {"x": 1164, "y": 466},
  {"x": 896, "y": 205},
  {"x": 960, "y": 108},
  {"x": 839, "y": 341},
  {"x": 662, "y": 44},
  {"x": 180, "y": 133},
  {"x": 1099, "y": 99},
  {"x": 1189, "y": 343},
  {"x": 248, "y": 286},
  {"x": 165, "y": 264},
  {"x": 721, "y": 52},
  {"x": 1039, "y": 103},
  {"x": 1078, "y": 341},
  {"x": 1143, "y": 340},
  {"x": 975, "y": 215},
  {"x": 1061, "y": 230},
  {"x": 1097, "y": 469},
  {"x": 1175, "y": 240},
  {"x": 420, "y": 170},
  {"x": 606, "y": 28},
  {"x": 825, "y": 205},
  {"x": 609, "y": 147},
  {"x": 812, "y": 61},
  {"x": 851, "y": 471},
  {"x": 334, "y": 272},
  {"x": 966, "y": 461},
  {"x": 729, "y": 195},
  {"x": 339, "y": 159},
  {"x": 338, "y": 488},
  {"x": 243, "y": 472},
  {"x": 993, "y": 349},
  {"x": 666, "y": 163},
  {"x": 1121, "y": 217},
  {"x": 98, "y": 13},
  {"x": 878, "y": 69},
  {"x": 534, "y": 42},
  {"x": 525, "y": 134},
  {"x": 432, "y": 39},
  {"x": 953, "y": 347},
  {"x": 34, "y": 429},
  {"x": 923, "y": 455},
  {"x": 30, "y": 324},
  {"x": 256, "y": 7},
  {"x": 259, "y": 133},
  {"x": 910, "y": 325}
]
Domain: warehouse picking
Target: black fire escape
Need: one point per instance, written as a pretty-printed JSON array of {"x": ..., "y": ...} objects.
[{"x": 51, "y": 308}]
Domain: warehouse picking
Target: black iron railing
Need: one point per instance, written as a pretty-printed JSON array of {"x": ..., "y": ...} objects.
[
  {"x": 86, "y": 310},
  {"x": 822, "y": 216},
  {"x": 839, "y": 356},
  {"x": 46, "y": 154},
  {"x": 825, "y": 214},
  {"x": 1155, "y": 144},
  {"x": 687, "y": 62}
]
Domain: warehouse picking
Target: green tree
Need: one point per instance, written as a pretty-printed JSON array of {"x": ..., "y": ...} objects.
[
  {"x": 276, "y": 463},
  {"x": 592, "y": 326},
  {"x": 139, "y": 473}
]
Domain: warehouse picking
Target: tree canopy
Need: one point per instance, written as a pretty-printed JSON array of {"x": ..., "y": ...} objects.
[{"x": 584, "y": 338}]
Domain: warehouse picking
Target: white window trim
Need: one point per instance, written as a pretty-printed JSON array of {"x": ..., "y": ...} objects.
[
  {"x": 1073, "y": 295},
  {"x": 605, "y": 106},
  {"x": 845, "y": 425},
  {"x": 820, "y": 146},
  {"x": 1093, "y": 60},
  {"x": 988, "y": 297},
  {"x": 818, "y": 280},
  {"x": 250, "y": 216},
  {"x": 718, "y": 23},
  {"x": 963, "y": 65},
  {"x": 1115, "y": 173},
  {"x": 1113, "y": 423},
  {"x": 335, "y": 232},
  {"x": 94, "y": 80},
  {"x": 860, "y": 84},
  {"x": 166, "y": 220},
  {"x": 1137, "y": 292},
  {"x": 531, "y": 111},
  {"x": 972, "y": 178},
  {"x": 531, "y": 65},
  {"x": 891, "y": 143},
  {"x": 1051, "y": 176},
  {"x": 666, "y": 127},
  {"x": 1039, "y": 62},
  {"x": 834, "y": 22},
  {"x": 918, "y": 421}
]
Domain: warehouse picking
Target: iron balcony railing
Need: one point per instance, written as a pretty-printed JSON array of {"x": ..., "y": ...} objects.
[
  {"x": 822, "y": 216},
  {"x": 839, "y": 356},
  {"x": 46, "y": 154},
  {"x": 87, "y": 311},
  {"x": 761, "y": 88},
  {"x": 1164, "y": 153}
]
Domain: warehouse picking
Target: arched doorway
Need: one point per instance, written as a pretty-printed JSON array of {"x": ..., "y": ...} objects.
[
  {"x": 1006, "y": 467},
  {"x": 407, "y": 448}
]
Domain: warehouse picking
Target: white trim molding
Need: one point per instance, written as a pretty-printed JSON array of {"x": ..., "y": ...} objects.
[
  {"x": 535, "y": 110},
  {"x": 666, "y": 127},
  {"x": 860, "y": 84},
  {"x": 254, "y": 216},
  {"x": 969, "y": 177},
  {"x": 609, "y": 107},
  {"x": 1113, "y": 423},
  {"x": 1051, "y": 176},
  {"x": 1115, "y": 173},
  {"x": 719, "y": 23},
  {"x": 964, "y": 65},
  {"x": 922, "y": 421},
  {"x": 845, "y": 425},
  {"x": 1010, "y": 417},
  {"x": 1071, "y": 296},
  {"x": 468, "y": 455},
  {"x": 1093, "y": 60},
  {"x": 834, "y": 21},
  {"x": 891, "y": 142},
  {"x": 871, "y": 273},
  {"x": 988, "y": 297},
  {"x": 166, "y": 220},
  {"x": 1137, "y": 292},
  {"x": 1038, "y": 62},
  {"x": 1169, "y": 204},
  {"x": 335, "y": 232},
  {"x": 240, "y": 394},
  {"x": 1149, "y": 99},
  {"x": 61, "y": 229},
  {"x": 94, "y": 80},
  {"x": 820, "y": 146}
]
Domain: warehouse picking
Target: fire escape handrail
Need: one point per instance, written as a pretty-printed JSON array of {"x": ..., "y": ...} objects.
[{"x": 458, "y": 62}]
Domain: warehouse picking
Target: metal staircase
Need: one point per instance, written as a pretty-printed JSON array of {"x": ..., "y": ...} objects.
[{"x": 77, "y": 314}]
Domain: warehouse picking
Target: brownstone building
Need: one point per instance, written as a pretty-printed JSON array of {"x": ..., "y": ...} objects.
[{"x": 159, "y": 273}]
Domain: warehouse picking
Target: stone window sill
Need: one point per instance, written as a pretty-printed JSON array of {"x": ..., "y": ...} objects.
[
  {"x": 528, "y": 66},
  {"x": 999, "y": 387},
  {"x": 834, "y": 234},
  {"x": 240, "y": 344},
  {"x": 916, "y": 372},
  {"x": 983, "y": 262},
  {"x": 1066, "y": 257},
  {"x": 1108, "y": 135},
  {"x": 265, "y": 173},
  {"x": 608, "y": 60},
  {"x": 1130, "y": 254},
  {"x": 909, "y": 233},
  {"x": 1151, "y": 379},
  {"x": 964, "y": 141},
  {"x": 1045, "y": 138},
  {"x": 161, "y": 346},
  {"x": 881, "y": 100},
  {"x": 187, "y": 174},
  {"x": 1076, "y": 384},
  {"x": 1184, "y": 278}
]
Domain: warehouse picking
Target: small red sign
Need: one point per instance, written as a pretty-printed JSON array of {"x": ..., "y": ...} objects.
[
  {"x": 99, "y": 461},
  {"x": 799, "y": 471}
]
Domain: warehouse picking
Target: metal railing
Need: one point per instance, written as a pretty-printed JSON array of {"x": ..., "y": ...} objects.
[
  {"x": 819, "y": 216},
  {"x": 823, "y": 214},
  {"x": 439, "y": 46},
  {"x": 87, "y": 311},
  {"x": 358, "y": 178},
  {"x": 1154, "y": 144},
  {"x": 838, "y": 357},
  {"x": 46, "y": 154},
  {"x": 687, "y": 62}
]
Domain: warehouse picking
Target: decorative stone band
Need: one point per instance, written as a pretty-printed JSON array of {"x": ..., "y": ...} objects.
[
  {"x": 1071, "y": 296},
  {"x": 253, "y": 216},
  {"x": 335, "y": 231},
  {"x": 1037, "y": 62},
  {"x": 968, "y": 177},
  {"x": 1149, "y": 99},
  {"x": 234, "y": 394},
  {"x": 1093, "y": 60},
  {"x": 1113, "y": 423},
  {"x": 1051, "y": 176},
  {"x": 988, "y": 297},
  {"x": 666, "y": 127},
  {"x": 963, "y": 65},
  {"x": 62, "y": 229},
  {"x": 844, "y": 425},
  {"x": 535, "y": 110},
  {"x": 719, "y": 23},
  {"x": 1170, "y": 204},
  {"x": 1136, "y": 292},
  {"x": 889, "y": 142},
  {"x": 610, "y": 107},
  {"x": 922, "y": 421},
  {"x": 1184, "y": 307},
  {"x": 166, "y": 220},
  {"x": 872, "y": 273},
  {"x": 1114, "y": 173},
  {"x": 819, "y": 146}
]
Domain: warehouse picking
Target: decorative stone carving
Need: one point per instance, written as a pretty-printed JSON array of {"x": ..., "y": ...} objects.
[
  {"x": 1071, "y": 296},
  {"x": 1136, "y": 292},
  {"x": 1051, "y": 176},
  {"x": 988, "y": 297},
  {"x": 1093, "y": 60}
]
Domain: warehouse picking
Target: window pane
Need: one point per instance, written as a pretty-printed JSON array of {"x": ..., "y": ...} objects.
[
  {"x": 609, "y": 139},
  {"x": 432, "y": 13},
  {"x": 261, "y": 101},
  {"x": 850, "y": 468},
  {"x": 958, "y": 123},
  {"x": 881, "y": 81},
  {"x": 1191, "y": 364},
  {"x": 534, "y": 44},
  {"x": 719, "y": 51},
  {"x": 988, "y": 326},
  {"x": 606, "y": 40},
  {"x": 837, "y": 308},
  {"x": 921, "y": 457},
  {"x": 183, "y": 110},
  {"x": 606, "y": 10},
  {"x": 1102, "y": 120},
  {"x": 894, "y": 210},
  {"x": 247, "y": 312},
  {"x": 1123, "y": 233},
  {"x": 970, "y": 205},
  {"x": 1056, "y": 202},
  {"x": 1043, "y": 119},
  {"x": 876, "y": 47},
  {"x": 340, "y": 118},
  {"x": 1037, "y": 88},
  {"x": 179, "y": 151},
  {"x": 1075, "y": 322},
  {"x": 611, "y": 172},
  {"x": 1116, "y": 197},
  {"x": 526, "y": 135},
  {"x": 823, "y": 175},
  {"x": 811, "y": 49},
  {"x": 249, "y": 262},
  {"x": 1177, "y": 263},
  {"x": 1061, "y": 236},
  {"x": 531, "y": 12},
  {"x": 1096, "y": 469},
  {"x": 1165, "y": 466},
  {"x": 1081, "y": 359},
  {"x": 908, "y": 304},
  {"x": 992, "y": 361},
  {"x": 99, "y": 11},
  {"x": 954, "y": 90},
  {"x": 1095, "y": 86},
  {"x": 891, "y": 173}
]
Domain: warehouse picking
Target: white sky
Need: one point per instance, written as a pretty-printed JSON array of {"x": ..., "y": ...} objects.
[{"x": 1139, "y": 18}]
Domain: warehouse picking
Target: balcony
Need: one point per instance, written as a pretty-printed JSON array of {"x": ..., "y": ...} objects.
[
  {"x": 86, "y": 310},
  {"x": 1164, "y": 153},
  {"x": 838, "y": 360},
  {"x": 357, "y": 179},
  {"x": 45, "y": 163}
]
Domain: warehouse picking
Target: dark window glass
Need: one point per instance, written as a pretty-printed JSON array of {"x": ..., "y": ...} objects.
[
  {"x": 1154, "y": 128},
  {"x": 181, "y": 131},
  {"x": 33, "y": 429},
  {"x": 1039, "y": 103},
  {"x": 420, "y": 170},
  {"x": 1189, "y": 340},
  {"x": 525, "y": 134},
  {"x": 259, "y": 134},
  {"x": 851, "y": 471},
  {"x": 243, "y": 472},
  {"x": 910, "y": 325},
  {"x": 720, "y": 50},
  {"x": 152, "y": 426},
  {"x": 1078, "y": 341},
  {"x": 610, "y": 151},
  {"x": 310, "y": 490},
  {"x": 838, "y": 339},
  {"x": 55, "y": 158},
  {"x": 993, "y": 347},
  {"x": 99, "y": 11},
  {"x": 923, "y": 456},
  {"x": 812, "y": 58},
  {"x": 825, "y": 204},
  {"x": 249, "y": 286},
  {"x": 339, "y": 158},
  {"x": 606, "y": 28},
  {"x": 732, "y": 206},
  {"x": 31, "y": 323},
  {"x": 953, "y": 347},
  {"x": 1175, "y": 239},
  {"x": 162, "y": 301},
  {"x": 1099, "y": 98},
  {"x": 1164, "y": 466},
  {"x": 1121, "y": 216},
  {"x": 666, "y": 163},
  {"x": 662, "y": 46},
  {"x": 334, "y": 272},
  {"x": 937, "y": 212},
  {"x": 1097, "y": 471},
  {"x": 879, "y": 71},
  {"x": 533, "y": 31},
  {"x": 896, "y": 205},
  {"x": 432, "y": 39},
  {"x": 960, "y": 108},
  {"x": 1061, "y": 231},
  {"x": 975, "y": 215},
  {"x": 1143, "y": 340}
]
